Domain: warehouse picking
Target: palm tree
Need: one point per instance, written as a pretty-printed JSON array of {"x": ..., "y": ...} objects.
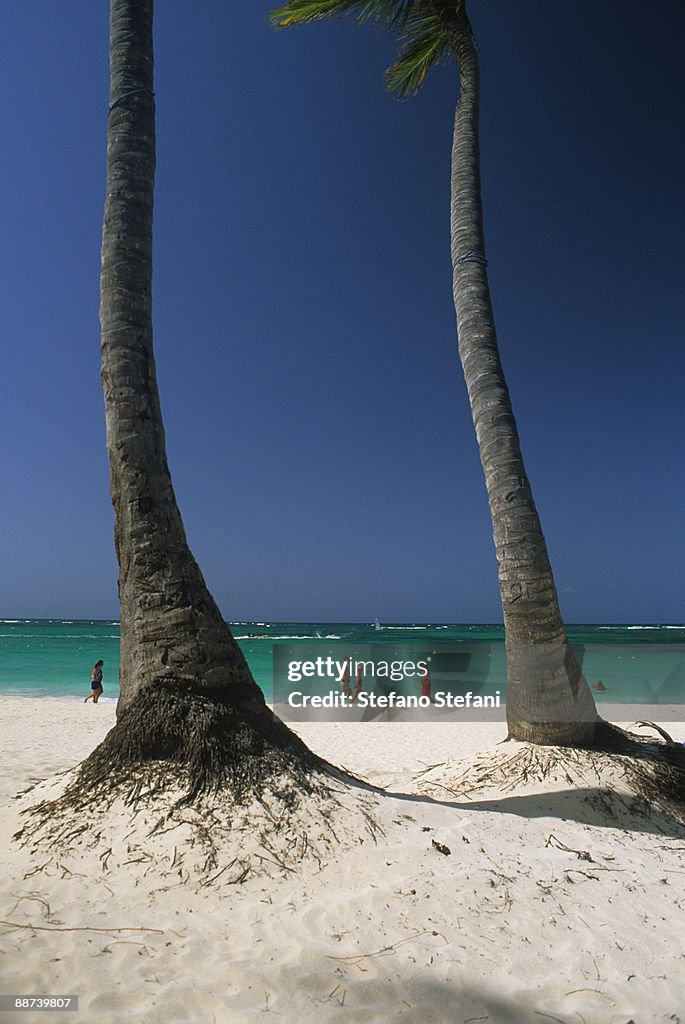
[
  {"x": 187, "y": 694},
  {"x": 548, "y": 700}
]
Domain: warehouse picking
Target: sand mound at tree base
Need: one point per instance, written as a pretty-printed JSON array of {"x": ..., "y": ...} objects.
[{"x": 621, "y": 777}]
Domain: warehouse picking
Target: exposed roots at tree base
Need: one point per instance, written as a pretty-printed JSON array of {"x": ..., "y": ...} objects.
[
  {"x": 193, "y": 788},
  {"x": 621, "y": 774}
]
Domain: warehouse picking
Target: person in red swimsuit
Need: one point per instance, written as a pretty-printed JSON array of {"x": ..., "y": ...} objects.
[{"x": 425, "y": 683}]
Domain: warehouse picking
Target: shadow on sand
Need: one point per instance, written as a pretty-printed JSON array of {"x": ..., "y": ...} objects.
[
  {"x": 650, "y": 800},
  {"x": 430, "y": 1001}
]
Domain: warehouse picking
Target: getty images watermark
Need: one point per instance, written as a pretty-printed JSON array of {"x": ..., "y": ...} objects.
[
  {"x": 338, "y": 680},
  {"x": 402, "y": 682}
]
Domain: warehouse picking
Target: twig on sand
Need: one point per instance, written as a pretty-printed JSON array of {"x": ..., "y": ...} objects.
[
  {"x": 597, "y": 991},
  {"x": 40, "y": 867},
  {"x": 209, "y": 881},
  {"x": 66, "y": 873},
  {"x": 662, "y": 732},
  {"x": 35, "y": 898},
  {"x": 553, "y": 841},
  {"x": 341, "y": 999},
  {"x": 104, "y": 931},
  {"x": 429, "y": 768},
  {"x": 122, "y": 942},
  {"x": 266, "y": 845},
  {"x": 355, "y": 959}
]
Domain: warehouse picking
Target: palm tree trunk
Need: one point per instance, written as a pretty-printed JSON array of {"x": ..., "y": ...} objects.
[
  {"x": 187, "y": 694},
  {"x": 171, "y": 629},
  {"x": 548, "y": 700}
]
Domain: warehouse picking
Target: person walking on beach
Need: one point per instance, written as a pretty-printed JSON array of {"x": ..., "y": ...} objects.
[
  {"x": 96, "y": 683},
  {"x": 345, "y": 681},
  {"x": 425, "y": 683},
  {"x": 357, "y": 683}
]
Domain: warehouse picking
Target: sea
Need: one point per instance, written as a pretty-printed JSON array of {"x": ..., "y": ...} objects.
[{"x": 637, "y": 663}]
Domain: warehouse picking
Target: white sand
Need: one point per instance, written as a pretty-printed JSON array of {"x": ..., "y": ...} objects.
[{"x": 507, "y": 927}]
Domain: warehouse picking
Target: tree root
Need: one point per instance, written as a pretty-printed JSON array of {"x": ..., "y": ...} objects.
[
  {"x": 236, "y": 787},
  {"x": 638, "y": 775}
]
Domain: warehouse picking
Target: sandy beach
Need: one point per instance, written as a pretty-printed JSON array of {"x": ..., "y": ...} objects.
[{"x": 551, "y": 901}]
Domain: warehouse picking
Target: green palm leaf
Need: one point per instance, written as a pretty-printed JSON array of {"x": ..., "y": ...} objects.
[
  {"x": 425, "y": 44},
  {"x": 303, "y": 12},
  {"x": 423, "y": 36}
]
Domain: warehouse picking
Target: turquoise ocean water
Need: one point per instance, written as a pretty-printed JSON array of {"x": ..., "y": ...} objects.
[{"x": 54, "y": 657}]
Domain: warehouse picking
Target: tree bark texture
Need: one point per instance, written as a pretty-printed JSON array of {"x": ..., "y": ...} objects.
[
  {"x": 172, "y": 633},
  {"x": 548, "y": 700}
]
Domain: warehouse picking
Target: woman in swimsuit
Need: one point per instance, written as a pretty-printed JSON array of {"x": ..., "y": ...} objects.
[{"x": 96, "y": 683}]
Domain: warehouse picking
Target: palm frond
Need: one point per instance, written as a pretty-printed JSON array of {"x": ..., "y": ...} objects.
[
  {"x": 303, "y": 12},
  {"x": 423, "y": 35},
  {"x": 425, "y": 44}
]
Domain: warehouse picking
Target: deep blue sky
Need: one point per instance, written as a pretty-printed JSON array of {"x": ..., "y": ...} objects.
[{"x": 318, "y": 427}]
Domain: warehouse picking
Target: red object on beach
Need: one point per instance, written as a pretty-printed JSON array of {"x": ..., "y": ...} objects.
[{"x": 426, "y": 684}]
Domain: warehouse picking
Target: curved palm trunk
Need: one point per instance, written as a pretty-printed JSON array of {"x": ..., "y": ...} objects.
[
  {"x": 190, "y": 713},
  {"x": 548, "y": 700},
  {"x": 171, "y": 630},
  {"x": 188, "y": 699}
]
